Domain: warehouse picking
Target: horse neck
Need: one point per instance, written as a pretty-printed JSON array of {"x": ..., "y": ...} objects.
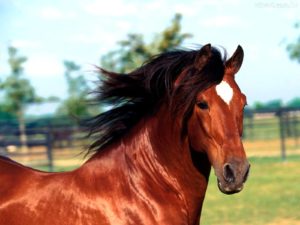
[
  {"x": 154, "y": 153},
  {"x": 174, "y": 155}
]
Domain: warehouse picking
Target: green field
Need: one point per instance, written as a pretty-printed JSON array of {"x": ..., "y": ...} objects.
[{"x": 271, "y": 196}]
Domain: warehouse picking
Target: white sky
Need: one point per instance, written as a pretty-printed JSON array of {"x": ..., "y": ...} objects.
[{"x": 50, "y": 31}]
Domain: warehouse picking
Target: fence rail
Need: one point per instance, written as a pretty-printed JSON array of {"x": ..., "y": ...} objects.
[{"x": 266, "y": 131}]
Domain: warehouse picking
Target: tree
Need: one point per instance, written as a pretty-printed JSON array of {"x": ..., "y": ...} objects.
[
  {"x": 76, "y": 102},
  {"x": 134, "y": 51},
  {"x": 130, "y": 54},
  {"x": 294, "y": 48},
  {"x": 258, "y": 105},
  {"x": 294, "y": 103},
  {"x": 274, "y": 104},
  {"x": 17, "y": 91},
  {"x": 270, "y": 105}
]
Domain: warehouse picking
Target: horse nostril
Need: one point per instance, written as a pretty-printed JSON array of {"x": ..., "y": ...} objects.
[
  {"x": 246, "y": 174},
  {"x": 228, "y": 173}
]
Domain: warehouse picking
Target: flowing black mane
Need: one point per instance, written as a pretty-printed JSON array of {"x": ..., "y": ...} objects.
[{"x": 139, "y": 93}]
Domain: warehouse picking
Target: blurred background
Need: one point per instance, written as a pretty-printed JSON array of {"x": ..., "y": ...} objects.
[{"x": 49, "y": 51}]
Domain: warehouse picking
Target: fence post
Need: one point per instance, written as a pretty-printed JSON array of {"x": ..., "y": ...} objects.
[
  {"x": 282, "y": 133},
  {"x": 49, "y": 148},
  {"x": 251, "y": 126},
  {"x": 296, "y": 133}
]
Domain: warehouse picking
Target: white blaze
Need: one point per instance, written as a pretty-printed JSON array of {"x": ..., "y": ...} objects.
[{"x": 225, "y": 91}]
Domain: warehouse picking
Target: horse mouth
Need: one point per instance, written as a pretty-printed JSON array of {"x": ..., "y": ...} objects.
[{"x": 226, "y": 189}]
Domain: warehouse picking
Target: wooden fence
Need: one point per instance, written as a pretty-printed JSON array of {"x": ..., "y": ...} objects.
[
  {"x": 42, "y": 142},
  {"x": 277, "y": 129}
]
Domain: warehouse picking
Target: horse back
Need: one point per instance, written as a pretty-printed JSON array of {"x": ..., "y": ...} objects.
[
  {"x": 11, "y": 175},
  {"x": 8, "y": 165}
]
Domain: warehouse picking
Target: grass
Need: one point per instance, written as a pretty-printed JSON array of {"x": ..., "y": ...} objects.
[{"x": 271, "y": 196}]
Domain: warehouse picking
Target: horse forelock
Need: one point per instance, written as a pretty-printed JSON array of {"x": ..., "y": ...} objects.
[{"x": 139, "y": 93}]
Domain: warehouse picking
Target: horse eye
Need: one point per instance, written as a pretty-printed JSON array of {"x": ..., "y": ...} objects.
[{"x": 202, "y": 105}]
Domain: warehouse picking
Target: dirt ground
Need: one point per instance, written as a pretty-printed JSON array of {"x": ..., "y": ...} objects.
[{"x": 285, "y": 222}]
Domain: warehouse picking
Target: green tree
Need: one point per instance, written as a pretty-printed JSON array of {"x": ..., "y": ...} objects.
[
  {"x": 274, "y": 104},
  {"x": 76, "y": 102},
  {"x": 294, "y": 48},
  {"x": 134, "y": 51},
  {"x": 258, "y": 105},
  {"x": 294, "y": 103},
  {"x": 52, "y": 99},
  {"x": 270, "y": 105},
  {"x": 17, "y": 91}
]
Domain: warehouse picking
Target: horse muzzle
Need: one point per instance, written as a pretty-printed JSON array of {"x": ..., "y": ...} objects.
[{"x": 233, "y": 176}]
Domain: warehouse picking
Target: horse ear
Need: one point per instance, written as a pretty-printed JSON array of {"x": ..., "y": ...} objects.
[
  {"x": 235, "y": 62},
  {"x": 203, "y": 56}
]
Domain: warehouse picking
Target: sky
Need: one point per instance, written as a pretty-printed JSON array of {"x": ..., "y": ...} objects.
[{"x": 51, "y": 31}]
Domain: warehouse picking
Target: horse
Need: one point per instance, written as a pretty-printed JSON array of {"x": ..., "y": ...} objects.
[{"x": 169, "y": 122}]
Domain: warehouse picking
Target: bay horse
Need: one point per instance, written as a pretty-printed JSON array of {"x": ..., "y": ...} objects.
[{"x": 171, "y": 120}]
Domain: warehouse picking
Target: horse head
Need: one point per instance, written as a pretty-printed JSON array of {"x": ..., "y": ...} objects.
[{"x": 216, "y": 126}]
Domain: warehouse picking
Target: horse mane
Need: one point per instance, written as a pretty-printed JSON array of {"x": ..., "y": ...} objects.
[{"x": 134, "y": 95}]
